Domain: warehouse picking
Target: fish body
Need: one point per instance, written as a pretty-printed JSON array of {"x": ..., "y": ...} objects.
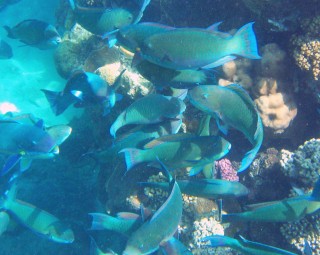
[
  {"x": 5, "y": 50},
  {"x": 160, "y": 228},
  {"x": 174, "y": 247},
  {"x": 245, "y": 246},
  {"x": 137, "y": 138},
  {"x": 35, "y": 33},
  {"x": 290, "y": 209},
  {"x": 191, "y": 48},
  {"x": 37, "y": 220},
  {"x": 207, "y": 188},
  {"x": 180, "y": 150},
  {"x": 181, "y": 79},
  {"x": 231, "y": 106},
  {"x": 149, "y": 110},
  {"x": 83, "y": 89}
]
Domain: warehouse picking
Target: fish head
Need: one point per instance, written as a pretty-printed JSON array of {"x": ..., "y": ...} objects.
[
  {"x": 124, "y": 17},
  {"x": 60, "y": 233},
  {"x": 52, "y": 37},
  {"x": 126, "y": 37}
]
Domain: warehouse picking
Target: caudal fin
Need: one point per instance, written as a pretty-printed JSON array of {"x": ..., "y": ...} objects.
[
  {"x": 98, "y": 221},
  {"x": 57, "y": 102},
  {"x": 245, "y": 42},
  {"x": 133, "y": 157}
]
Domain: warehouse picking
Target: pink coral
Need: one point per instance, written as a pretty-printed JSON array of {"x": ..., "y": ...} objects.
[{"x": 226, "y": 170}]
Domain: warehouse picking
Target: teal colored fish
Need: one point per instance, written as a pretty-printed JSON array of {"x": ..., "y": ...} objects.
[
  {"x": 35, "y": 33},
  {"x": 289, "y": 209},
  {"x": 150, "y": 109},
  {"x": 104, "y": 20},
  {"x": 192, "y": 48},
  {"x": 160, "y": 228},
  {"x": 231, "y": 106},
  {"x": 25, "y": 142},
  {"x": 244, "y": 246},
  {"x": 137, "y": 138},
  {"x": 37, "y": 220},
  {"x": 163, "y": 77},
  {"x": 180, "y": 150},
  {"x": 207, "y": 188}
]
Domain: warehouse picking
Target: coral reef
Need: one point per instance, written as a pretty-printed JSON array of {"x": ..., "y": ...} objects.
[
  {"x": 303, "y": 165},
  {"x": 226, "y": 170}
]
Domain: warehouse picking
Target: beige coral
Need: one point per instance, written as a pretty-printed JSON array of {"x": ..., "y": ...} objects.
[{"x": 277, "y": 109}]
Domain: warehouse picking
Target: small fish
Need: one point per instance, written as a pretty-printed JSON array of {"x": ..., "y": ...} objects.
[
  {"x": 207, "y": 188},
  {"x": 180, "y": 150},
  {"x": 150, "y": 109},
  {"x": 25, "y": 142},
  {"x": 37, "y": 220},
  {"x": 161, "y": 227},
  {"x": 5, "y": 50},
  {"x": 163, "y": 77},
  {"x": 231, "y": 106},
  {"x": 137, "y": 138},
  {"x": 100, "y": 21},
  {"x": 192, "y": 48},
  {"x": 244, "y": 246},
  {"x": 84, "y": 89},
  {"x": 289, "y": 209},
  {"x": 4, "y": 222},
  {"x": 35, "y": 33}
]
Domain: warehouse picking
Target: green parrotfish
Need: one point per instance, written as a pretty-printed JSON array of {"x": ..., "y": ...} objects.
[
  {"x": 180, "y": 150},
  {"x": 244, "y": 246},
  {"x": 231, "y": 106},
  {"x": 37, "y": 220},
  {"x": 192, "y": 48},
  {"x": 289, "y": 209},
  {"x": 150, "y": 109},
  {"x": 207, "y": 188},
  {"x": 160, "y": 228}
]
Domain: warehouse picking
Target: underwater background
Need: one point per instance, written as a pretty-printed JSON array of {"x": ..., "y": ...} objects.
[{"x": 284, "y": 85}]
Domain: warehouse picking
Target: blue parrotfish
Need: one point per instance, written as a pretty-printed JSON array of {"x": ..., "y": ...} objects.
[
  {"x": 244, "y": 246},
  {"x": 207, "y": 188},
  {"x": 231, "y": 106},
  {"x": 84, "y": 89},
  {"x": 150, "y": 109},
  {"x": 105, "y": 20},
  {"x": 161, "y": 227},
  {"x": 289, "y": 209},
  {"x": 25, "y": 142},
  {"x": 37, "y": 220},
  {"x": 137, "y": 138},
  {"x": 192, "y": 48},
  {"x": 179, "y": 151},
  {"x": 5, "y": 50},
  {"x": 35, "y": 33}
]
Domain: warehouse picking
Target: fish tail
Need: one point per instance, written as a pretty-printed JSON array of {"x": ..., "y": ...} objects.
[
  {"x": 133, "y": 157},
  {"x": 72, "y": 4},
  {"x": 316, "y": 191},
  {"x": 219, "y": 241},
  {"x": 9, "y": 31},
  {"x": 99, "y": 221},
  {"x": 245, "y": 42},
  {"x": 143, "y": 7},
  {"x": 117, "y": 124},
  {"x": 57, "y": 102}
]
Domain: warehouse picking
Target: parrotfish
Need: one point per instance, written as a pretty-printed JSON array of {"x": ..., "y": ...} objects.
[
  {"x": 35, "y": 33},
  {"x": 207, "y": 188},
  {"x": 180, "y": 150},
  {"x": 24, "y": 142},
  {"x": 161, "y": 227},
  {"x": 5, "y": 50},
  {"x": 37, "y": 220},
  {"x": 150, "y": 109},
  {"x": 192, "y": 48},
  {"x": 84, "y": 89},
  {"x": 104, "y": 20},
  {"x": 137, "y": 138},
  {"x": 231, "y": 106},
  {"x": 244, "y": 246},
  {"x": 289, "y": 209},
  {"x": 181, "y": 79}
]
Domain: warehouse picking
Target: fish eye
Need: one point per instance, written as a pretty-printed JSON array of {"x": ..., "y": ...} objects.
[{"x": 204, "y": 96}]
